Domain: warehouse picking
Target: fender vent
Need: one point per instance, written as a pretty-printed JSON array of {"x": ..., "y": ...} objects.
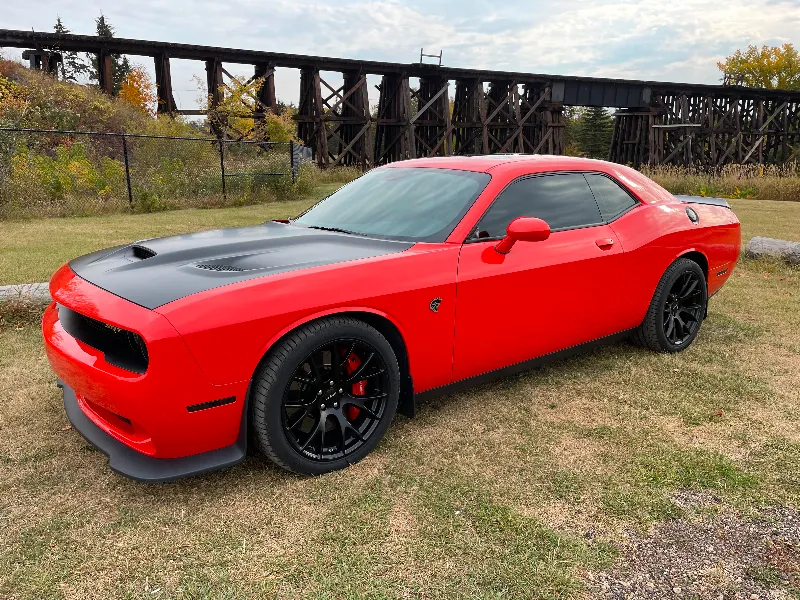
[
  {"x": 225, "y": 268},
  {"x": 142, "y": 253}
]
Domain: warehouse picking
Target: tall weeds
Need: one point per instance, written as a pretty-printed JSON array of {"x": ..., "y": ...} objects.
[{"x": 768, "y": 182}]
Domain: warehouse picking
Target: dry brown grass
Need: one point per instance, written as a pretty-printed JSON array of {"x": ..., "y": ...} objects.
[
  {"x": 510, "y": 490},
  {"x": 769, "y": 182}
]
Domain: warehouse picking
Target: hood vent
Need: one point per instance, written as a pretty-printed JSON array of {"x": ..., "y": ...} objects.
[
  {"x": 142, "y": 253},
  {"x": 220, "y": 268}
]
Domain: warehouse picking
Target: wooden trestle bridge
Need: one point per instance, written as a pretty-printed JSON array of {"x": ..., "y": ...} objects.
[{"x": 493, "y": 111}]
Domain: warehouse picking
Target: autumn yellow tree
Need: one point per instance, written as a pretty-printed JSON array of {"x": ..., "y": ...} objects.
[
  {"x": 234, "y": 113},
  {"x": 137, "y": 89},
  {"x": 774, "y": 67}
]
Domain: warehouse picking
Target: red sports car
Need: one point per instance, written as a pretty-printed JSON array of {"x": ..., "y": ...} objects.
[{"x": 307, "y": 335}]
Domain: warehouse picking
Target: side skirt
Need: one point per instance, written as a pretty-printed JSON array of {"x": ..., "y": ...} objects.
[{"x": 526, "y": 365}]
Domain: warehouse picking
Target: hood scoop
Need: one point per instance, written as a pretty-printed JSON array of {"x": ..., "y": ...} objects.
[{"x": 141, "y": 252}]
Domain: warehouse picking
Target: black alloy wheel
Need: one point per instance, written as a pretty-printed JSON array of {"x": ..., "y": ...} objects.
[
  {"x": 677, "y": 309},
  {"x": 335, "y": 399},
  {"x": 683, "y": 309},
  {"x": 325, "y": 395}
]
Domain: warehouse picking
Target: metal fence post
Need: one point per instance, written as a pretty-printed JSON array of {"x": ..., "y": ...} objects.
[
  {"x": 291, "y": 161},
  {"x": 222, "y": 169},
  {"x": 127, "y": 168}
]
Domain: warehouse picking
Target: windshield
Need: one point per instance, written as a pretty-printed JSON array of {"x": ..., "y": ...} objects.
[{"x": 405, "y": 203}]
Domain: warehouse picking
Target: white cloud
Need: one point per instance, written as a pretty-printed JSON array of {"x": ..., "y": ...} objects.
[{"x": 679, "y": 40}]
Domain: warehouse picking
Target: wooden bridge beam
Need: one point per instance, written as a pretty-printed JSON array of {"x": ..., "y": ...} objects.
[
  {"x": 310, "y": 124},
  {"x": 105, "y": 73},
  {"x": 432, "y": 127},
  {"x": 393, "y": 135},
  {"x": 166, "y": 102},
  {"x": 467, "y": 120},
  {"x": 266, "y": 92}
]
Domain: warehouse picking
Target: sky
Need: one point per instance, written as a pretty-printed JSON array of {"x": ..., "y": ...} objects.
[{"x": 666, "y": 40}]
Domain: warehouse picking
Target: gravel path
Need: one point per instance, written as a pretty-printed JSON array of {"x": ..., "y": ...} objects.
[{"x": 720, "y": 557}]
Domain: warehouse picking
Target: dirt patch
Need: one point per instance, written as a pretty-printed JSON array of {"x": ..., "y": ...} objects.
[{"x": 724, "y": 556}]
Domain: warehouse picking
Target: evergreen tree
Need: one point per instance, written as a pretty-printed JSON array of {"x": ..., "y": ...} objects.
[
  {"x": 572, "y": 127},
  {"x": 72, "y": 65},
  {"x": 120, "y": 67},
  {"x": 594, "y": 134}
]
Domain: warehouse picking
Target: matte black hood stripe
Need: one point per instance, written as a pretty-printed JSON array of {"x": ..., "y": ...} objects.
[{"x": 183, "y": 265}]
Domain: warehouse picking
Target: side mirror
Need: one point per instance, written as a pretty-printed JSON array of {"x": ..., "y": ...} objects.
[{"x": 523, "y": 229}]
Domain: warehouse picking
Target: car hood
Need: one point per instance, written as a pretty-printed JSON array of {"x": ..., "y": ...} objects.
[{"x": 153, "y": 272}]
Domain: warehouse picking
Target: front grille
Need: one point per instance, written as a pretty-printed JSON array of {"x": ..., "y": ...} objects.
[
  {"x": 230, "y": 268},
  {"x": 120, "y": 347}
]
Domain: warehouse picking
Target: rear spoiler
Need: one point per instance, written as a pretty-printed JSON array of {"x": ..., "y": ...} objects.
[{"x": 703, "y": 200}]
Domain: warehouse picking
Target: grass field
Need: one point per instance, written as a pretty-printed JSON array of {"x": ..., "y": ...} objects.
[
  {"x": 32, "y": 250},
  {"x": 544, "y": 485}
]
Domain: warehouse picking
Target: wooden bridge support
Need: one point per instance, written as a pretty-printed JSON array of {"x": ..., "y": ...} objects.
[
  {"x": 310, "y": 117},
  {"x": 708, "y": 131},
  {"x": 215, "y": 86},
  {"x": 166, "y": 102},
  {"x": 266, "y": 100},
  {"x": 431, "y": 126},
  {"x": 468, "y": 115},
  {"x": 351, "y": 121},
  {"x": 393, "y": 135},
  {"x": 105, "y": 74},
  {"x": 542, "y": 121},
  {"x": 500, "y": 123}
]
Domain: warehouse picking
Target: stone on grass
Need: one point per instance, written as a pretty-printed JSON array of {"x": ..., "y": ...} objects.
[{"x": 763, "y": 247}]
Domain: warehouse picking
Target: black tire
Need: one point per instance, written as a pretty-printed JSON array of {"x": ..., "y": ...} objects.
[
  {"x": 686, "y": 313},
  {"x": 276, "y": 382}
]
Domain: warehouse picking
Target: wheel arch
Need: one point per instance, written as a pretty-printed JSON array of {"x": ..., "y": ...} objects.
[
  {"x": 385, "y": 325},
  {"x": 699, "y": 258}
]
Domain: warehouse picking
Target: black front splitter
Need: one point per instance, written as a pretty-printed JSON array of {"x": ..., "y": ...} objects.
[{"x": 130, "y": 463}]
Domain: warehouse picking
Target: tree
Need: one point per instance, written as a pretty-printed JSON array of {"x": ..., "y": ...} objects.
[
  {"x": 595, "y": 127},
  {"x": 572, "y": 126},
  {"x": 120, "y": 67},
  {"x": 137, "y": 89},
  {"x": 772, "y": 67},
  {"x": 72, "y": 65},
  {"x": 234, "y": 113}
]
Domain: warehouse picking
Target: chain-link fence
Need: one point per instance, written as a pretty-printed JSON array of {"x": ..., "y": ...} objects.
[{"x": 58, "y": 173}]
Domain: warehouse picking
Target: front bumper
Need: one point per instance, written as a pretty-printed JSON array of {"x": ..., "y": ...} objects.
[
  {"x": 131, "y": 463},
  {"x": 170, "y": 412}
]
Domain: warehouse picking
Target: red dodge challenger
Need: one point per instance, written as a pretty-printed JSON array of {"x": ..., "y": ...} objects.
[{"x": 308, "y": 335}]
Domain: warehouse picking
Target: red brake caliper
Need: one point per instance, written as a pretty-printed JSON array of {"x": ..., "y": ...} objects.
[{"x": 359, "y": 387}]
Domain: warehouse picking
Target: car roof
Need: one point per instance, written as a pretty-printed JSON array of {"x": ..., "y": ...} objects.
[{"x": 500, "y": 162}]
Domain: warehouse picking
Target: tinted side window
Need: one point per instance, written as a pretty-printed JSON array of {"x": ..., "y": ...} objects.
[
  {"x": 564, "y": 201},
  {"x": 613, "y": 200}
]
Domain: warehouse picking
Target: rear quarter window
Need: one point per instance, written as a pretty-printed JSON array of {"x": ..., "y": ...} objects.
[{"x": 612, "y": 199}]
